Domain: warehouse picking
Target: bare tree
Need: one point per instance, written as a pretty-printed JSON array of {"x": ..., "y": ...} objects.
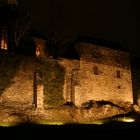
[
  {"x": 18, "y": 22},
  {"x": 21, "y": 28},
  {"x": 57, "y": 44}
]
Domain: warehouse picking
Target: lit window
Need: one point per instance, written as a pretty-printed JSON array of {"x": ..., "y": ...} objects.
[
  {"x": 118, "y": 74},
  {"x": 4, "y": 39},
  {"x": 38, "y": 52},
  {"x": 2, "y": 44},
  {"x": 96, "y": 71},
  {"x": 5, "y": 46}
]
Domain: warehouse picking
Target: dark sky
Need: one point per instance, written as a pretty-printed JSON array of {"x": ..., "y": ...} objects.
[{"x": 114, "y": 20}]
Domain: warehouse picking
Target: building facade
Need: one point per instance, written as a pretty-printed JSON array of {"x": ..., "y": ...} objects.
[{"x": 101, "y": 74}]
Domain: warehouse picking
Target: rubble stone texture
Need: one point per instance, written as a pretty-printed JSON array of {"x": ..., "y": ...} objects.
[
  {"x": 24, "y": 97},
  {"x": 82, "y": 84}
]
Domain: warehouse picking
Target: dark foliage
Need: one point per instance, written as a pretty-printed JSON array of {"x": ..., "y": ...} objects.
[
  {"x": 92, "y": 103},
  {"x": 53, "y": 80}
]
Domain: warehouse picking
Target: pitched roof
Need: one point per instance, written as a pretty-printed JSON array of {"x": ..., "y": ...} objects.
[
  {"x": 104, "y": 43},
  {"x": 37, "y": 34}
]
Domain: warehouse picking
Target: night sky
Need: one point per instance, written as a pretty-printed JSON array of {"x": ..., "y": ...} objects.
[{"x": 112, "y": 20}]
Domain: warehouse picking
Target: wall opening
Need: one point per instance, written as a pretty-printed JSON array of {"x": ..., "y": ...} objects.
[
  {"x": 4, "y": 39},
  {"x": 118, "y": 74},
  {"x": 96, "y": 70},
  {"x": 38, "y": 51},
  {"x": 118, "y": 87}
]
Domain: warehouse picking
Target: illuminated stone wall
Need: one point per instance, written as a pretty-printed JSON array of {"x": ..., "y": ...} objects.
[
  {"x": 82, "y": 85},
  {"x": 104, "y": 86},
  {"x": 21, "y": 88}
]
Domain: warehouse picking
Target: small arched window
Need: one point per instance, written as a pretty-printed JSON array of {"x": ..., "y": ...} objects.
[
  {"x": 96, "y": 71},
  {"x": 38, "y": 51}
]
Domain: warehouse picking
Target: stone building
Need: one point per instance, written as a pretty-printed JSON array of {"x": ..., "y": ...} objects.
[
  {"x": 102, "y": 71},
  {"x": 102, "y": 74}
]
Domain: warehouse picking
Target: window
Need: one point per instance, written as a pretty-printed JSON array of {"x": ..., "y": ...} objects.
[
  {"x": 38, "y": 52},
  {"x": 119, "y": 87},
  {"x": 3, "y": 44},
  {"x": 4, "y": 39},
  {"x": 118, "y": 74},
  {"x": 96, "y": 71}
]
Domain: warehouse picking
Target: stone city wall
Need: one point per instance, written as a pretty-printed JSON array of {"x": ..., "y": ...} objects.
[
  {"x": 105, "y": 85},
  {"x": 21, "y": 90}
]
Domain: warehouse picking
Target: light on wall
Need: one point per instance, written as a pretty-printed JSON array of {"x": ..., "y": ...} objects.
[{"x": 38, "y": 51}]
